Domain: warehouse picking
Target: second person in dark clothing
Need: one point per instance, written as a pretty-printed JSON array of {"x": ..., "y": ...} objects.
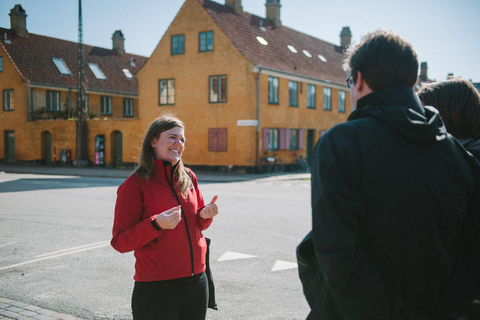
[{"x": 390, "y": 190}]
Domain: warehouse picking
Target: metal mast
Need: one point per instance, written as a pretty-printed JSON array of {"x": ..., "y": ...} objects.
[{"x": 80, "y": 113}]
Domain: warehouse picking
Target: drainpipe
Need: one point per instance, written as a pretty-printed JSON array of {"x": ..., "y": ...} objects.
[{"x": 257, "y": 159}]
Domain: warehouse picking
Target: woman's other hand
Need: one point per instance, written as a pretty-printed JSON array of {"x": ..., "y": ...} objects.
[
  {"x": 170, "y": 218},
  {"x": 210, "y": 210}
]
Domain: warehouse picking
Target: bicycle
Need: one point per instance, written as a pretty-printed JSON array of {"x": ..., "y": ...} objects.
[
  {"x": 270, "y": 164},
  {"x": 299, "y": 164}
]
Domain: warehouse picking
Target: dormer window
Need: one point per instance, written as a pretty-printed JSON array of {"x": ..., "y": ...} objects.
[
  {"x": 61, "y": 66},
  {"x": 127, "y": 73},
  {"x": 97, "y": 71}
]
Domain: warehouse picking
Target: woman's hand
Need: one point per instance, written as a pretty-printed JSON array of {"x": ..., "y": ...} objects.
[
  {"x": 170, "y": 218},
  {"x": 210, "y": 210}
]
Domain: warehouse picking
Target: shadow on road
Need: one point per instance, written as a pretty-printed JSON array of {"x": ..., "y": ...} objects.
[{"x": 26, "y": 184}]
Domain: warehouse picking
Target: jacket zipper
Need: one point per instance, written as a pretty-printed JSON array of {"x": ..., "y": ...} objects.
[{"x": 183, "y": 213}]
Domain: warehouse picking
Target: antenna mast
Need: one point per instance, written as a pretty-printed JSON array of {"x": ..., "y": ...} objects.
[{"x": 81, "y": 123}]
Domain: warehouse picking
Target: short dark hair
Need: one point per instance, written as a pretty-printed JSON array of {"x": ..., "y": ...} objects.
[
  {"x": 458, "y": 102},
  {"x": 384, "y": 58}
]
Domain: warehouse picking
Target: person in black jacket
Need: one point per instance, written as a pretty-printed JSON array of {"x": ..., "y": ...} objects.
[
  {"x": 458, "y": 102},
  {"x": 390, "y": 191}
]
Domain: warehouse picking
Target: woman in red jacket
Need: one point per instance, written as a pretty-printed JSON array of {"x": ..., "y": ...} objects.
[{"x": 160, "y": 214}]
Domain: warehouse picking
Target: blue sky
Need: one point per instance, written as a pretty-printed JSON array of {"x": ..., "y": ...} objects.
[{"x": 443, "y": 32}]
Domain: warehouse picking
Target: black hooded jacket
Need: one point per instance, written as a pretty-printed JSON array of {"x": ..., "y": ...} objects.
[{"x": 390, "y": 190}]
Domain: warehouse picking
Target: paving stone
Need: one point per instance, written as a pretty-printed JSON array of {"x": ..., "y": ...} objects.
[{"x": 14, "y": 309}]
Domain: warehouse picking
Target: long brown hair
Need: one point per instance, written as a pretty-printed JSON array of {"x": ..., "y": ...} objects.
[
  {"x": 146, "y": 166},
  {"x": 458, "y": 102}
]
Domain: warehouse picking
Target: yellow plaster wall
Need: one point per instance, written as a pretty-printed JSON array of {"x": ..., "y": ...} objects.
[{"x": 191, "y": 72}]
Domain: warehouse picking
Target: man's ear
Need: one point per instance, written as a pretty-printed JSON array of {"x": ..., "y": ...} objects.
[{"x": 359, "y": 84}]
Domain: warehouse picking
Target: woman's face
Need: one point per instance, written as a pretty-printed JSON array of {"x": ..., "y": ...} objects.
[{"x": 169, "y": 145}]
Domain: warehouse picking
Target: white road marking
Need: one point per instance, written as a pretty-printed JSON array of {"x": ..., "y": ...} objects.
[
  {"x": 234, "y": 256},
  {"x": 284, "y": 265},
  {"x": 60, "y": 253}
]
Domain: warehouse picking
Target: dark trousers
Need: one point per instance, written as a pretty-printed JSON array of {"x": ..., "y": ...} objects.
[{"x": 177, "y": 299}]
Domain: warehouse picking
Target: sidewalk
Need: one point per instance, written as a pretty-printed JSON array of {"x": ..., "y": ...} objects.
[
  {"x": 10, "y": 309},
  {"x": 105, "y": 172}
]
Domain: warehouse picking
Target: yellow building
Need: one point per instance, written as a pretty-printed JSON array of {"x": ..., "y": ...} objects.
[
  {"x": 244, "y": 85},
  {"x": 38, "y": 82}
]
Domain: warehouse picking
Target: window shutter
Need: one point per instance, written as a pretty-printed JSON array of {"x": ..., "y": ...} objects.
[
  {"x": 222, "y": 139},
  {"x": 265, "y": 139},
  {"x": 300, "y": 138},
  {"x": 212, "y": 140},
  {"x": 283, "y": 142}
]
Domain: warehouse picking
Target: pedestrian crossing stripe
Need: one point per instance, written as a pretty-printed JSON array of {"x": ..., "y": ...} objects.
[
  {"x": 284, "y": 265},
  {"x": 229, "y": 255}
]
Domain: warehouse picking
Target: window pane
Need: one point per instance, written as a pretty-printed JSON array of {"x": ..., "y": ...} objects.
[
  {"x": 293, "y": 93},
  {"x": 293, "y": 139},
  {"x": 272, "y": 90},
  {"x": 61, "y": 66},
  {"x": 213, "y": 89},
  {"x": 210, "y": 41},
  {"x": 1, "y": 64},
  {"x": 311, "y": 96},
  {"x": 327, "y": 92},
  {"x": 273, "y": 139},
  {"x": 223, "y": 89},
  {"x": 97, "y": 71},
  {"x": 171, "y": 91},
  {"x": 341, "y": 101},
  {"x": 8, "y": 100}
]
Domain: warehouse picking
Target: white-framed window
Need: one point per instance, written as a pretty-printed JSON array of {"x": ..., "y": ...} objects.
[
  {"x": 105, "y": 105},
  {"x": 341, "y": 101},
  {"x": 272, "y": 90},
  {"x": 218, "y": 89},
  {"x": 327, "y": 99},
  {"x": 293, "y": 93},
  {"x": 8, "y": 100},
  {"x": 52, "y": 101},
  {"x": 166, "y": 91},
  {"x": 311, "y": 96},
  {"x": 127, "y": 107}
]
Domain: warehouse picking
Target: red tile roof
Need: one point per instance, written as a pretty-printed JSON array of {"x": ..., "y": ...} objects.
[
  {"x": 244, "y": 29},
  {"x": 32, "y": 57}
]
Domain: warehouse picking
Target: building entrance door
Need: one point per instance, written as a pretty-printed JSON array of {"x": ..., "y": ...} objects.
[
  {"x": 117, "y": 149},
  {"x": 9, "y": 145},
  {"x": 47, "y": 147}
]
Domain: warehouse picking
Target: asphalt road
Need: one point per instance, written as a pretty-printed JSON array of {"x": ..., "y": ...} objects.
[{"x": 55, "y": 252}]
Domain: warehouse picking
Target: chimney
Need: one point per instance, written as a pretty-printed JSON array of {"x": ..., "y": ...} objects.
[
  {"x": 236, "y": 5},
  {"x": 118, "y": 42},
  {"x": 273, "y": 12},
  {"x": 423, "y": 71},
  {"x": 18, "y": 21},
  {"x": 345, "y": 37}
]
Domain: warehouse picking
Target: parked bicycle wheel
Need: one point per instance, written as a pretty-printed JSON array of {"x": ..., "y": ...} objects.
[
  {"x": 295, "y": 166},
  {"x": 278, "y": 166},
  {"x": 265, "y": 166}
]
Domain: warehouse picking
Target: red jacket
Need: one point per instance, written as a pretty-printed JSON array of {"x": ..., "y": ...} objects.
[{"x": 160, "y": 254}]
